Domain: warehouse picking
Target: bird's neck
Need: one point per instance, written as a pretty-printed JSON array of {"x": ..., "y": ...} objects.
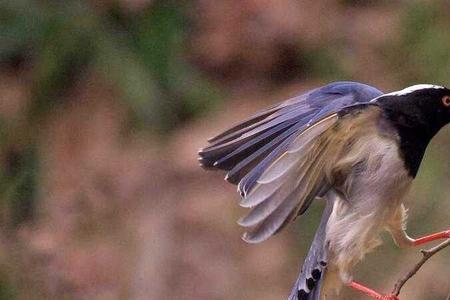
[
  {"x": 415, "y": 132},
  {"x": 413, "y": 143}
]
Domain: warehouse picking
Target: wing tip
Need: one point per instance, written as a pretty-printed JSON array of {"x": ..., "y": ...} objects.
[
  {"x": 244, "y": 222},
  {"x": 254, "y": 237},
  {"x": 246, "y": 237},
  {"x": 212, "y": 139},
  {"x": 244, "y": 203},
  {"x": 202, "y": 162}
]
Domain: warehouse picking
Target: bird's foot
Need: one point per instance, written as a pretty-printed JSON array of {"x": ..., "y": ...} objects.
[
  {"x": 432, "y": 237},
  {"x": 447, "y": 233},
  {"x": 371, "y": 293},
  {"x": 389, "y": 297}
]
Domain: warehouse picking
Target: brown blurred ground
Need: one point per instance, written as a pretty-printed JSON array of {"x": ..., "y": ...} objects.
[{"x": 128, "y": 214}]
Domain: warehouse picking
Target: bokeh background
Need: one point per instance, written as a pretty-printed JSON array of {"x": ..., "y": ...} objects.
[{"x": 103, "y": 105}]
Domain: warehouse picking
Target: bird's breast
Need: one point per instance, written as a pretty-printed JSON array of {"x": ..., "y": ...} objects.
[
  {"x": 371, "y": 171},
  {"x": 374, "y": 185}
]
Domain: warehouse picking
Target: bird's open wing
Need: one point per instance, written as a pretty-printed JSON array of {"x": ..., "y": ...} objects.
[
  {"x": 314, "y": 160},
  {"x": 276, "y": 156}
]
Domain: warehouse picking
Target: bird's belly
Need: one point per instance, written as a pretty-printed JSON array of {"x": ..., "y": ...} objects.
[
  {"x": 372, "y": 195},
  {"x": 349, "y": 237}
]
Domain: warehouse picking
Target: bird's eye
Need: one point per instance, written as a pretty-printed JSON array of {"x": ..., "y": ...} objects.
[{"x": 446, "y": 101}]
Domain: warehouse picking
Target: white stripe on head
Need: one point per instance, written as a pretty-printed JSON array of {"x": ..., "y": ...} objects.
[
  {"x": 411, "y": 89},
  {"x": 414, "y": 88}
]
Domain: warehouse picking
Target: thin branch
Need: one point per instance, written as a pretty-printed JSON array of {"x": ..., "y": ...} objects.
[{"x": 427, "y": 254}]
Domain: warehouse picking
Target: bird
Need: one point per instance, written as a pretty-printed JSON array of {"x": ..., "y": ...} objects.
[{"x": 348, "y": 143}]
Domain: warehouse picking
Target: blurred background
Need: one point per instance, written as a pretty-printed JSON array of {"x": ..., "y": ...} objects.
[{"x": 104, "y": 104}]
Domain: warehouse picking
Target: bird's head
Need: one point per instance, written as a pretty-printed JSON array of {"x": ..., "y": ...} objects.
[{"x": 423, "y": 105}]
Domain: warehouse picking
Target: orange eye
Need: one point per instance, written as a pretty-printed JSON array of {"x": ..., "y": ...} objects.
[{"x": 446, "y": 101}]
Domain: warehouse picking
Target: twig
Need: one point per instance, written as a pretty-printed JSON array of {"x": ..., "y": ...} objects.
[{"x": 427, "y": 254}]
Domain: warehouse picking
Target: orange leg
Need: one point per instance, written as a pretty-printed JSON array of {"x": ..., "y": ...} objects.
[
  {"x": 371, "y": 293},
  {"x": 432, "y": 237}
]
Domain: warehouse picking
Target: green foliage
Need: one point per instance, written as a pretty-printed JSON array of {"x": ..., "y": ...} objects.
[
  {"x": 18, "y": 173},
  {"x": 21, "y": 25},
  {"x": 159, "y": 37},
  {"x": 6, "y": 290},
  {"x": 325, "y": 63},
  {"x": 422, "y": 52},
  {"x": 142, "y": 54}
]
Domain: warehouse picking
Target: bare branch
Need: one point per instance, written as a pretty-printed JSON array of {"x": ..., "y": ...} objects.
[{"x": 427, "y": 254}]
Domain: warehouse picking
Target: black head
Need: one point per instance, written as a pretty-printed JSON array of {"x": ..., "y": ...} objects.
[
  {"x": 418, "y": 113},
  {"x": 422, "y": 105}
]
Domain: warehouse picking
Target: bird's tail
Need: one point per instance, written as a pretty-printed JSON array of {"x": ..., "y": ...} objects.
[{"x": 309, "y": 283}]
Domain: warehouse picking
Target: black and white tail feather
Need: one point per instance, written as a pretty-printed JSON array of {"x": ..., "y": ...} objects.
[
  {"x": 278, "y": 159},
  {"x": 309, "y": 282}
]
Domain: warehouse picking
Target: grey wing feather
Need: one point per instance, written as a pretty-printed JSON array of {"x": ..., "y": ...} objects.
[
  {"x": 301, "y": 173},
  {"x": 305, "y": 170},
  {"x": 236, "y": 149},
  {"x": 273, "y": 151}
]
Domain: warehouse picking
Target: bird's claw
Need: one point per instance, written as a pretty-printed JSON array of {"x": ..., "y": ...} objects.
[
  {"x": 389, "y": 297},
  {"x": 447, "y": 234}
]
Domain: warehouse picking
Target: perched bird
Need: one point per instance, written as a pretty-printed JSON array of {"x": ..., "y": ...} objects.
[{"x": 348, "y": 143}]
